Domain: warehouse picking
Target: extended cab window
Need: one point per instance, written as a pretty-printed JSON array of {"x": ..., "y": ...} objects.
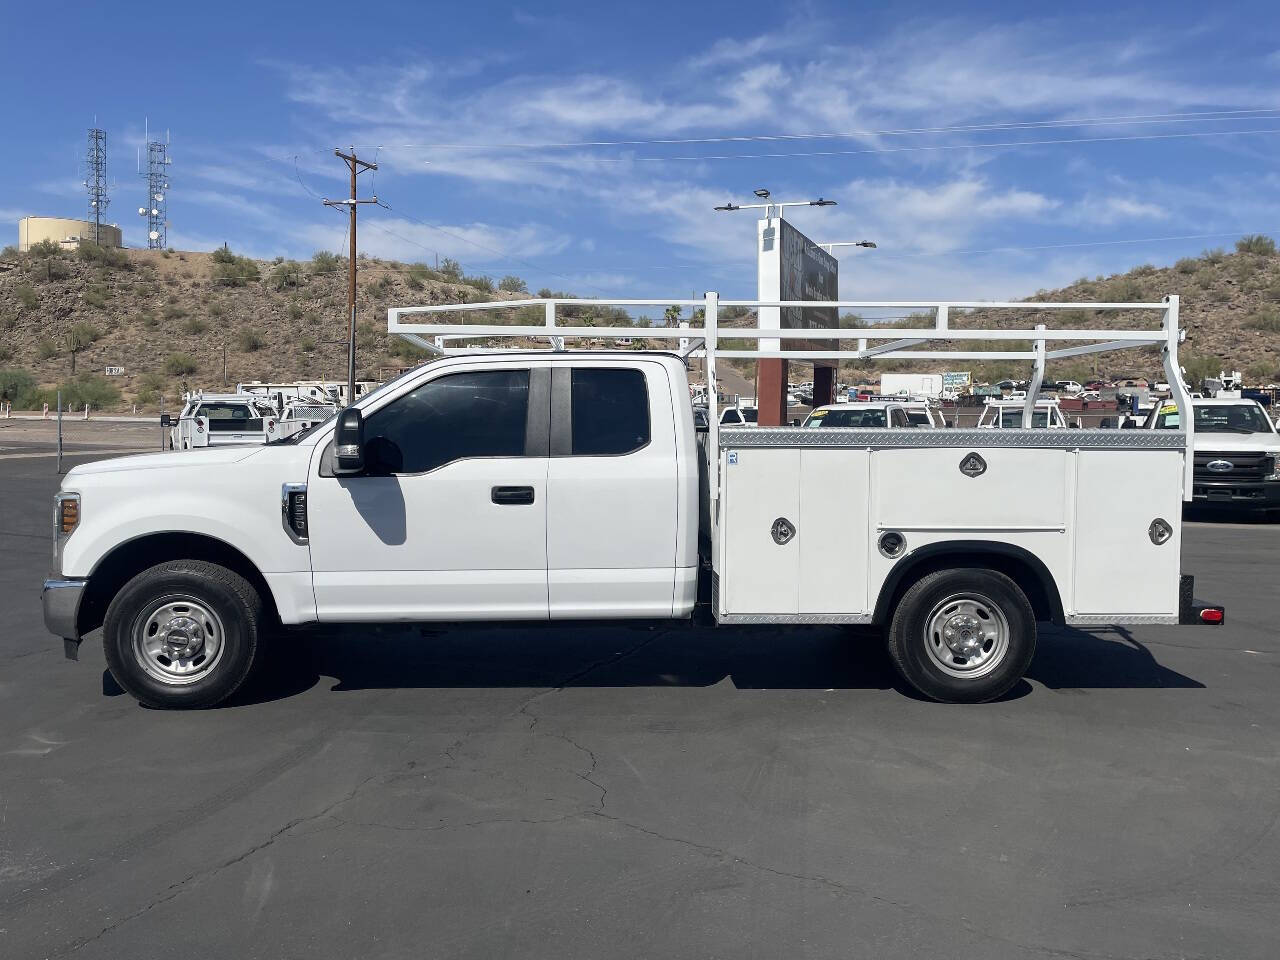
[
  {"x": 230, "y": 417},
  {"x": 454, "y": 417},
  {"x": 610, "y": 411}
]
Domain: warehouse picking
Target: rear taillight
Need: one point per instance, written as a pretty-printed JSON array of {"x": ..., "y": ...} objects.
[
  {"x": 199, "y": 425},
  {"x": 271, "y": 426},
  {"x": 1211, "y": 615}
]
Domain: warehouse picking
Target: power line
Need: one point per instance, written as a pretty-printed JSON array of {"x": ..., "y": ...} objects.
[
  {"x": 885, "y": 150},
  {"x": 1062, "y": 246},
  {"x": 1134, "y": 119}
]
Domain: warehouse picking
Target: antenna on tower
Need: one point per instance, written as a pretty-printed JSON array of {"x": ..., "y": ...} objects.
[
  {"x": 156, "y": 210},
  {"x": 95, "y": 162}
]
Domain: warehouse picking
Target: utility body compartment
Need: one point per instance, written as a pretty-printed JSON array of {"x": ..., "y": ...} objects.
[{"x": 803, "y": 514}]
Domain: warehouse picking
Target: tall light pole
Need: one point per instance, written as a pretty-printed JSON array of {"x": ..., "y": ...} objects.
[{"x": 770, "y": 205}]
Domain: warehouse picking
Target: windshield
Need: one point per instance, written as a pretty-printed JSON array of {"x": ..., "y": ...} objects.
[
  {"x": 846, "y": 418},
  {"x": 1225, "y": 418}
]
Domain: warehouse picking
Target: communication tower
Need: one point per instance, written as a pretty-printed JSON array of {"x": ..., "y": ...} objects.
[
  {"x": 156, "y": 210},
  {"x": 95, "y": 183}
]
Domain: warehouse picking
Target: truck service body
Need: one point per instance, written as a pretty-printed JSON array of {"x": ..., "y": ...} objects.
[{"x": 534, "y": 485}]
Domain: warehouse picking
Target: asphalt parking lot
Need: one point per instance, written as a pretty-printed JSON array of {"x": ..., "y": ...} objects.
[{"x": 604, "y": 791}]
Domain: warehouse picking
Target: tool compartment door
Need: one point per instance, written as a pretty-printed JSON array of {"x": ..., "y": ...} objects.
[{"x": 760, "y": 575}]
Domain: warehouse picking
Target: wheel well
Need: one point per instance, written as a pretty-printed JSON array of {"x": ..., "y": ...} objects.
[
  {"x": 1019, "y": 565},
  {"x": 132, "y": 557}
]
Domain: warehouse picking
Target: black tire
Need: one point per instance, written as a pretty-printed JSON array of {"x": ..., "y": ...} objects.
[
  {"x": 198, "y": 598},
  {"x": 981, "y": 597}
]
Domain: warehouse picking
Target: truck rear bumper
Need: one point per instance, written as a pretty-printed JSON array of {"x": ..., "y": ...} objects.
[
  {"x": 61, "y": 602},
  {"x": 1191, "y": 610}
]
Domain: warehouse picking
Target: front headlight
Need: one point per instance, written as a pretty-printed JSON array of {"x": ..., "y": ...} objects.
[
  {"x": 1274, "y": 473},
  {"x": 66, "y": 517}
]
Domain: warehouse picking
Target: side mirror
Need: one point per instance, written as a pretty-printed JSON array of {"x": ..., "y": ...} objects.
[
  {"x": 348, "y": 443},
  {"x": 166, "y": 420}
]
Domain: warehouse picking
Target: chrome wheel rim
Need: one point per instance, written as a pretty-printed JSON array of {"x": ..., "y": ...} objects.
[
  {"x": 967, "y": 636},
  {"x": 177, "y": 640}
]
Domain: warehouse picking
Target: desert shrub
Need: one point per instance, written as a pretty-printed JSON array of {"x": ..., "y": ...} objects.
[
  {"x": 45, "y": 249},
  {"x": 19, "y": 388},
  {"x": 307, "y": 344},
  {"x": 285, "y": 276},
  {"x": 216, "y": 309},
  {"x": 1243, "y": 268},
  {"x": 1219, "y": 295},
  {"x": 380, "y": 287},
  {"x": 450, "y": 270},
  {"x": 1145, "y": 270},
  {"x": 91, "y": 388},
  {"x": 1199, "y": 366},
  {"x": 81, "y": 335},
  {"x": 405, "y": 350},
  {"x": 194, "y": 325},
  {"x": 479, "y": 282},
  {"x": 7, "y": 353},
  {"x": 322, "y": 261},
  {"x": 180, "y": 364},
  {"x": 46, "y": 349},
  {"x": 248, "y": 340},
  {"x": 296, "y": 312},
  {"x": 1187, "y": 265},
  {"x": 1204, "y": 279},
  {"x": 513, "y": 284},
  {"x": 96, "y": 297},
  {"x": 230, "y": 270},
  {"x": 173, "y": 312},
  {"x": 1124, "y": 288},
  {"x": 10, "y": 253},
  {"x": 148, "y": 319},
  {"x": 26, "y": 296},
  {"x": 1214, "y": 256},
  {"x": 1267, "y": 319},
  {"x": 1258, "y": 244},
  {"x": 110, "y": 258}
]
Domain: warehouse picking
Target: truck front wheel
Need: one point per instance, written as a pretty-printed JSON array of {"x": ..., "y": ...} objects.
[
  {"x": 963, "y": 635},
  {"x": 183, "y": 634}
]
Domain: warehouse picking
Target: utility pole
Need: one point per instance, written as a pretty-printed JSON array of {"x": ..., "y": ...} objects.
[{"x": 355, "y": 165}]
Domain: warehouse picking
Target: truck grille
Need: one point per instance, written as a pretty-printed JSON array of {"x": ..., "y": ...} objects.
[{"x": 1246, "y": 466}]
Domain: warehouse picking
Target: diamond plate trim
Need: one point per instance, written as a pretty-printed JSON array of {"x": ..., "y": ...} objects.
[
  {"x": 941, "y": 437},
  {"x": 1119, "y": 618},
  {"x": 808, "y": 619}
]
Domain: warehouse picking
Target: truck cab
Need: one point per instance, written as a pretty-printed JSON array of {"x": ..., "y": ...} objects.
[{"x": 1237, "y": 453}]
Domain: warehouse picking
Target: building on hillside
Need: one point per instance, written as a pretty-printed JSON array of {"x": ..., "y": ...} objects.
[{"x": 64, "y": 232}]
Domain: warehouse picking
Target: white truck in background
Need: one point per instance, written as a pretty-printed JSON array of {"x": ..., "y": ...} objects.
[
  {"x": 926, "y": 385},
  {"x": 1237, "y": 453},
  {"x": 560, "y": 485}
]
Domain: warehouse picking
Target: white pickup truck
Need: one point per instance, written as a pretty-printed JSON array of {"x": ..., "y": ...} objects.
[
  {"x": 567, "y": 485},
  {"x": 1237, "y": 453}
]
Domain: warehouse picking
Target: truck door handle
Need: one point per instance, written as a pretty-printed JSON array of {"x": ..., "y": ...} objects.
[{"x": 511, "y": 496}]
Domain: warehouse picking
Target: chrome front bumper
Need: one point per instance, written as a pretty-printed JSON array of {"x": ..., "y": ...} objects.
[{"x": 61, "y": 601}]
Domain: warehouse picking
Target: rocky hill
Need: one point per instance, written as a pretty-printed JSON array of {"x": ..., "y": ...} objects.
[{"x": 170, "y": 318}]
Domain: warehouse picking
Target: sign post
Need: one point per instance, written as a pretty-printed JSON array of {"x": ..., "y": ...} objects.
[{"x": 792, "y": 267}]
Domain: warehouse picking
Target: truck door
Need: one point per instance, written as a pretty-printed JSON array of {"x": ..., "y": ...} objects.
[
  {"x": 612, "y": 491},
  {"x": 450, "y": 520}
]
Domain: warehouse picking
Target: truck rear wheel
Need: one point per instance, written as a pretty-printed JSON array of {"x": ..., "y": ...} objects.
[
  {"x": 963, "y": 636},
  {"x": 183, "y": 634}
]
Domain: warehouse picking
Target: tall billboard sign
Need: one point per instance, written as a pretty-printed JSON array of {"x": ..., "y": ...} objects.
[{"x": 793, "y": 267}]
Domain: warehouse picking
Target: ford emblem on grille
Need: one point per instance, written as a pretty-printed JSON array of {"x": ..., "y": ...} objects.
[{"x": 1220, "y": 466}]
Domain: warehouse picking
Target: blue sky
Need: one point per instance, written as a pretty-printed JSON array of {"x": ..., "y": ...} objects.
[{"x": 256, "y": 96}]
